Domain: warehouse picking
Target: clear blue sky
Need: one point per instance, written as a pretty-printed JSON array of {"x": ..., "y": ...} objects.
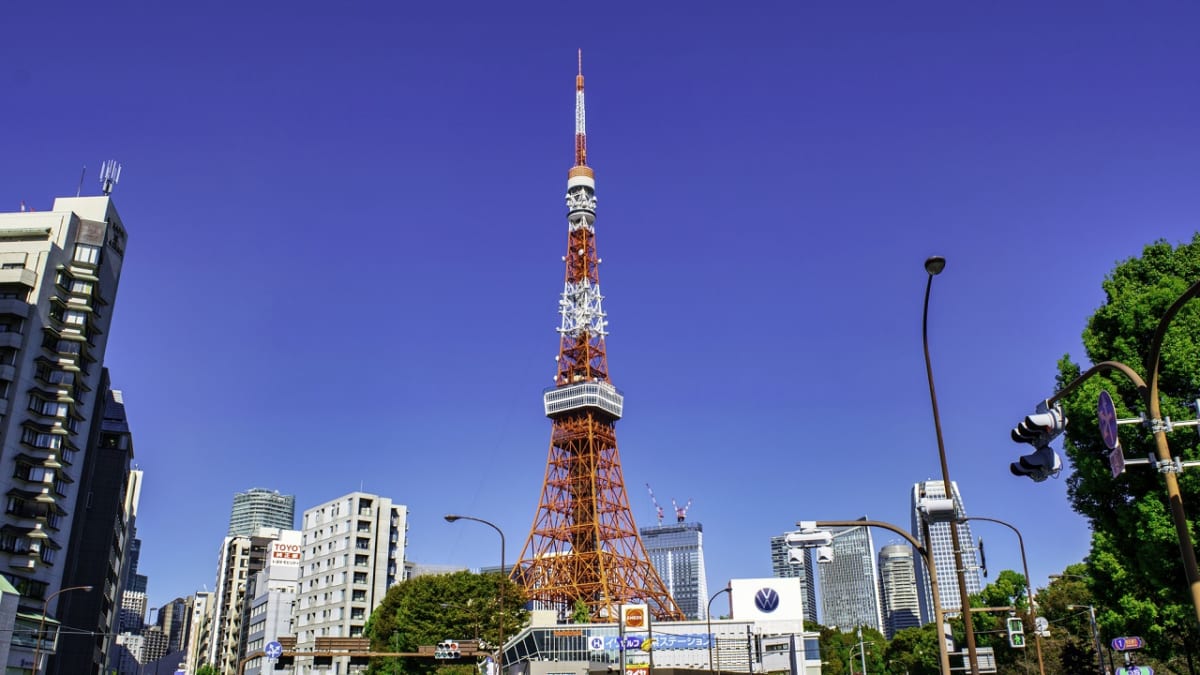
[{"x": 346, "y": 221}]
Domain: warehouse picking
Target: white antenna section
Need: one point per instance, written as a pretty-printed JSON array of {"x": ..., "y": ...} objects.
[{"x": 110, "y": 174}]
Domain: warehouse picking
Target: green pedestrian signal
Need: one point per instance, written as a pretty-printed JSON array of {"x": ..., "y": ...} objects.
[{"x": 1016, "y": 633}]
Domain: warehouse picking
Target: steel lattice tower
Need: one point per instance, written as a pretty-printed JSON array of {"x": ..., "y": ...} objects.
[{"x": 584, "y": 544}]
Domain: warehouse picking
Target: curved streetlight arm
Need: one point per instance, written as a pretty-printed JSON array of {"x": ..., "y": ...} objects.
[
  {"x": 450, "y": 518},
  {"x": 1037, "y": 636},
  {"x": 37, "y": 644},
  {"x": 711, "y": 637},
  {"x": 930, "y": 568}
]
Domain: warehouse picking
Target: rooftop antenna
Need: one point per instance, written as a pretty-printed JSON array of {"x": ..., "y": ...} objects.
[
  {"x": 79, "y": 189},
  {"x": 110, "y": 174},
  {"x": 658, "y": 509}
]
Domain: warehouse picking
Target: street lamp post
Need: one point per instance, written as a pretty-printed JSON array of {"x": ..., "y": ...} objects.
[
  {"x": 450, "y": 518},
  {"x": 1095, "y": 633},
  {"x": 934, "y": 266},
  {"x": 711, "y": 637},
  {"x": 1158, "y": 427},
  {"x": 1037, "y": 637},
  {"x": 37, "y": 644},
  {"x": 926, "y": 553}
]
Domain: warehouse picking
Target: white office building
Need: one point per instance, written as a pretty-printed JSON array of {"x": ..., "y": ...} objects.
[
  {"x": 272, "y": 595},
  {"x": 898, "y": 589},
  {"x": 849, "y": 581}
]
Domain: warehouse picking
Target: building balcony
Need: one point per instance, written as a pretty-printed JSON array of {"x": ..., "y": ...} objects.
[
  {"x": 14, "y": 307},
  {"x": 12, "y": 339},
  {"x": 25, "y": 277},
  {"x": 8, "y": 373}
]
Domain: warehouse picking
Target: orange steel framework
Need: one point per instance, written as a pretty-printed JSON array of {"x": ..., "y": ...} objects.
[{"x": 584, "y": 544}]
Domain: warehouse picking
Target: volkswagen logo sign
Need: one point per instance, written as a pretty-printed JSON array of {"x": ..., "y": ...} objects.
[{"x": 766, "y": 600}]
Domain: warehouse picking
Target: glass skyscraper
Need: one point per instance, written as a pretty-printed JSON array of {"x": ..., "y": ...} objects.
[
  {"x": 943, "y": 551},
  {"x": 257, "y": 508},
  {"x": 677, "y": 553},
  {"x": 786, "y": 565},
  {"x": 849, "y": 583}
]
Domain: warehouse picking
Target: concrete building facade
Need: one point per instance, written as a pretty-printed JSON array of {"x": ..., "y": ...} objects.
[
  {"x": 59, "y": 272},
  {"x": 240, "y": 558},
  {"x": 272, "y": 595},
  {"x": 353, "y": 552}
]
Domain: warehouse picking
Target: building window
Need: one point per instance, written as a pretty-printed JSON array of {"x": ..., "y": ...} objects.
[{"x": 87, "y": 254}]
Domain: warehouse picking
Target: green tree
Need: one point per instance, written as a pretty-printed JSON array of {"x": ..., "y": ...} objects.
[
  {"x": 581, "y": 613},
  {"x": 1135, "y": 571},
  {"x": 429, "y": 609},
  {"x": 207, "y": 669},
  {"x": 914, "y": 651}
]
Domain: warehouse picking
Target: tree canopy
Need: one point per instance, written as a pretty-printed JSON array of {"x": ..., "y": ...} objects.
[
  {"x": 428, "y": 609},
  {"x": 1134, "y": 569}
]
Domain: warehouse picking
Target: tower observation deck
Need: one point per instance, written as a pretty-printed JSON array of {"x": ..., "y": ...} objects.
[{"x": 584, "y": 544}]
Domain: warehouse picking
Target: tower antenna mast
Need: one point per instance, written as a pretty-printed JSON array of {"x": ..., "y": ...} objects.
[
  {"x": 658, "y": 510},
  {"x": 110, "y": 174}
]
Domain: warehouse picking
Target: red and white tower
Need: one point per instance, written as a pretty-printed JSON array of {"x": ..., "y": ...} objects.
[{"x": 584, "y": 544}]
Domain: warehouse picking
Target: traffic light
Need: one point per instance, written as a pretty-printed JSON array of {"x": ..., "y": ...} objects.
[
  {"x": 447, "y": 649},
  {"x": 1041, "y": 427},
  {"x": 1016, "y": 633},
  {"x": 1038, "y": 430}
]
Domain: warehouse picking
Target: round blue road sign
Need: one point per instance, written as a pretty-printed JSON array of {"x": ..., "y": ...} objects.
[
  {"x": 1107, "y": 415},
  {"x": 273, "y": 650}
]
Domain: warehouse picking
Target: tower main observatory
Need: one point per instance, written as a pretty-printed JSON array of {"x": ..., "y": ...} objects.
[{"x": 584, "y": 544}]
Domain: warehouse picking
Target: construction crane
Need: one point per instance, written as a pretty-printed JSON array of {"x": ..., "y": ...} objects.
[
  {"x": 681, "y": 513},
  {"x": 658, "y": 509}
]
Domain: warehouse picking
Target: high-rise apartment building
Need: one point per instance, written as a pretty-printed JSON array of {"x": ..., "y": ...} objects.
[
  {"x": 353, "y": 552},
  {"x": 59, "y": 272},
  {"x": 101, "y": 539},
  {"x": 257, "y": 508},
  {"x": 898, "y": 589},
  {"x": 796, "y": 563},
  {"x": 241, "y": 557},
  {"x": 849, "y": 582},
  {"x": 677, "y": 553},
  {"x": 199, "y": 622},
  {"x": 943, "y": 551},
  {"x": 170, "y": 619}
]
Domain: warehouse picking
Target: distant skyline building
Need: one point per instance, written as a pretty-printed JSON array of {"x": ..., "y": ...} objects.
[
  {"x": 787, "y": 565},
  {"x": 259, "y": 507},
  {"x": 353, "y": 552},
  {"x": 898, "y": 589},
  {"x": 677, "y": 552},
  {"x": 943, "y": 551},
  {"x": 59, "y": 273},
  {"x": 849, "y": 582}
]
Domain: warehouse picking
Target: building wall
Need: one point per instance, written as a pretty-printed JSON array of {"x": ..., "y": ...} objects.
[
  {"x": 849, "y": 582},
  {"x": 199, "y": 630},
  {"x": 943, "y": 552},
  {"x": 898, "y": 589},
  {"x": 59, "y": 272},
  {"x": 353, "y": 551},
  {"x": 239, "y": 559},
  {"x": 100, "y": 540},
  {"x": 677, "y": 553},
  {"x": 257, "y": 507},
  {"x": 783, "y": 567},
  {"x": 273, "y": 598}
]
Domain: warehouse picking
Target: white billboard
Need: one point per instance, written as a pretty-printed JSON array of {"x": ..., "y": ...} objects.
[
  {"x": 767, "y": 599},
  {"x": 285, "y": 551}
]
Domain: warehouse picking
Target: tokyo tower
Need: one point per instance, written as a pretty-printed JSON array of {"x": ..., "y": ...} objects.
[{"x": 584, "y": 545}]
